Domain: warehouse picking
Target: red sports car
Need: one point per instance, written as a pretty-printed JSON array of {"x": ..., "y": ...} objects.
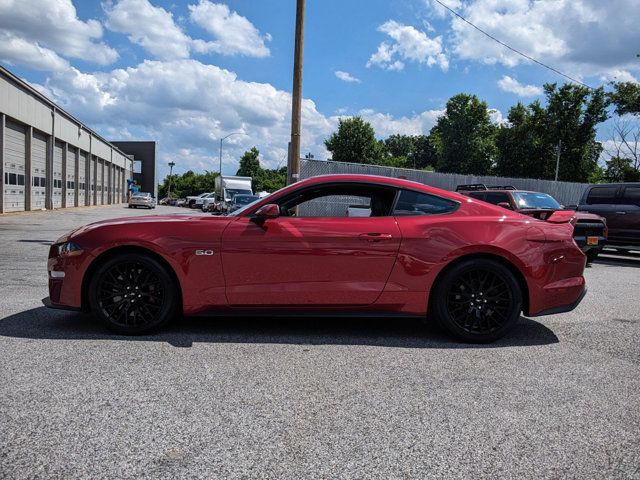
[{"x": 470, "y": 265}]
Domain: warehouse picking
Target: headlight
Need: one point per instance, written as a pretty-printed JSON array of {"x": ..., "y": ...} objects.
[{"x": 69, "y": 249}]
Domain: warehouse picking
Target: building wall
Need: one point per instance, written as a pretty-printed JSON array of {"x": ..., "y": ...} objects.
[{"x": 48, "y": 159}]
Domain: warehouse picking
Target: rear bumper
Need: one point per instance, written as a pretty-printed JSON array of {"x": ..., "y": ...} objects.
[
  {"x": 562, "y": 308},
  {"x": 572, "y": 296},
  {"x": 582, "y": 243}
]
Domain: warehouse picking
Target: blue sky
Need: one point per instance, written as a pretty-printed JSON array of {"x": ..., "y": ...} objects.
[{"x": 185, "y": 73}]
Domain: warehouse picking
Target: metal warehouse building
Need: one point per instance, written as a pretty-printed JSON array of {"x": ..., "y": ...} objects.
[{"x": 48, "y": 159}]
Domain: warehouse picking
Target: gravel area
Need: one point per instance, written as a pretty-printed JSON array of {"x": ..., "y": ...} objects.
[{"x": 311, "y": 398}]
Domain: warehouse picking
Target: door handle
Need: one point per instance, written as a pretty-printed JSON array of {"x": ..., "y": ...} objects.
[
  {"x": 621, "y": 213},
  {"x": 374, "y": 237}
]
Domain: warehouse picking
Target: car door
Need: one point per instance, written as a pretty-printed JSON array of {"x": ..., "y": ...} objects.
[
  {"x": 602, "y": 200},
  {"x": 323, "y": 261},
  {"x": 628, "y": 215}
]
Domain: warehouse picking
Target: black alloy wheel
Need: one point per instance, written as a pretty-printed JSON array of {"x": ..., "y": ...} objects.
[
  {"x": 133, "y": 294},
  {"x": 478, "y": 300}
]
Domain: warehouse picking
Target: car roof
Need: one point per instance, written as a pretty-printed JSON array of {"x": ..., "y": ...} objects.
[{"x": 379, "y": 180}]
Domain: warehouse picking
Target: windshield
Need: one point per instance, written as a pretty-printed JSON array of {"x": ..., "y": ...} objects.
[
  {"x": 142, "y": 194},
  {"x": 232, "y": 192},
  {"x": 535, "y": 200},
  {"x": 244, "y": 199}
]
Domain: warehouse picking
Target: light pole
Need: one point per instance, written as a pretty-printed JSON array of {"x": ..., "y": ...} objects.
[
  {"x": 171, "y": 165},
  {"x": 221, "y": 140}
]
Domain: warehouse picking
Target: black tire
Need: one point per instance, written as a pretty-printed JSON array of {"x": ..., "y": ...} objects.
[
  {"x": 465, "y": 289},
  {"x": 130, "y": 206},
  {"x": 125, "y": 279},
  {"x": 592, "y": 255}
]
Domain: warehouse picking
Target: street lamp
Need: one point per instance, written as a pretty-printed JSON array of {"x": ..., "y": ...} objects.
[
  {"x": 221, "y": 140},
  {"x": 171, "y": 165}
]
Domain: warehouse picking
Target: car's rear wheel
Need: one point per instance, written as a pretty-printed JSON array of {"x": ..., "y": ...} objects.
[
  {"x": 477, "y": 300},
  {"x": 133, "y": 294}
]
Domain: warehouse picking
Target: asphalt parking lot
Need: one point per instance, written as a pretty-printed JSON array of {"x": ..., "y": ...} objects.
[{"x": 322, "y": 398}]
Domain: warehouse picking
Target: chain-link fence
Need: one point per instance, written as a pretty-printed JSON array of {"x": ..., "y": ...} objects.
[{"x": 567, "y": 193}]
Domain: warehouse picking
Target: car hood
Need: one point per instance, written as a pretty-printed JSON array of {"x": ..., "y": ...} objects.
[{"x": 133, "y": 222}]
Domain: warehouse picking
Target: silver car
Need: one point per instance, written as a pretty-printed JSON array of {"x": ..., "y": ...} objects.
[{"x": 142, "y": 199}]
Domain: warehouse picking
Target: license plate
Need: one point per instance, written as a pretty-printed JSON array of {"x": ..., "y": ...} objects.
[{"x": 592, "y": 240}]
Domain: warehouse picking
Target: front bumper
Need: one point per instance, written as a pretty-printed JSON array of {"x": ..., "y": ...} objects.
[{"x": 46, "y": 301}]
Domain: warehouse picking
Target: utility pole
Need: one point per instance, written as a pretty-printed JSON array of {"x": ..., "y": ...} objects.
[
  {"x": 558, "y": 148},
  {"x": 296, "y": 108},
  {"x": 171, "y": 165}
]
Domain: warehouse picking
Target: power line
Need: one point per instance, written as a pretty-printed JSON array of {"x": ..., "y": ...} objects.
[{"x": 513, "y": 49}]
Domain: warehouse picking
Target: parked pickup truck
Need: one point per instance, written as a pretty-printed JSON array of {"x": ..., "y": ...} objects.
[
  {"x": 589, "y": 230},
  {"x": 619, "y": 203}
]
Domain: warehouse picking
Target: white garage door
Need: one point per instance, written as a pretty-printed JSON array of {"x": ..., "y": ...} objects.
[
  {"x": 100, "y": 182},
  {"x": 71, "y": 177},
  {"x": 14, "y": 163},
  {"x": 82, "y": 179},
  {"x": 57, "y": 174},
  {"x": 92, "y": 180},
  {"x": 38, "y": 170}
]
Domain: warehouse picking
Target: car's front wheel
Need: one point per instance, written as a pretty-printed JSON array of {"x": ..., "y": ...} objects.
[
  {"x": 477, "y": 300},
  {"x": 133, "y": 294}
]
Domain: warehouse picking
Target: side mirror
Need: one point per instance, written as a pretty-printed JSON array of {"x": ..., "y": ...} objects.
[
  {"x": 506, "y": 205},
  {"x": 270, "y": 210}
]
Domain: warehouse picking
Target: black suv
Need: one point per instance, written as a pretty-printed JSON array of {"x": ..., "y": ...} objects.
[{"x": 619, "y": 203}]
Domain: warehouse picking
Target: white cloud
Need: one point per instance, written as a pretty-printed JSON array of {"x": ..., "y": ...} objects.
[
  {"x": 582, "y": 37},
  {"x": 346, "y": 77},
  {"x": 17, "y": 50},
  {"x": 43, "y": 30},
  {"x": 509, "y": 84},
  {"x": 618, "y": 75},
  {"x": 385, "y": 124},
  {"x": 154, "y": 29},
  {"x": 233, "y": 33},
  {"x": 150, "y": 27},
  {"x": 186, "y": 106},
  {"x": 409, "y": 44}
]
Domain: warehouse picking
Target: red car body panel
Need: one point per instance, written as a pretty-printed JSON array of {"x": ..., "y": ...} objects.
[{"x": 372, "y": 264}]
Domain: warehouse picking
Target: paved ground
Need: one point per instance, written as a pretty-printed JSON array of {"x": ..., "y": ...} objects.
[{"x": 311, "y": 398}]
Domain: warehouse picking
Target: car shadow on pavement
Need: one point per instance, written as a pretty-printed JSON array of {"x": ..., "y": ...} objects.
[{"x": 42, "y": 323}]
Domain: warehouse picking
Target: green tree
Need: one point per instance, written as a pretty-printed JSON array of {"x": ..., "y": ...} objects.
[
  {"x": 621, "y": 170},
  {"x": 424, "y": 153},
  {"x": 520, "y": 143},
  {"x": 410, "y": 151},
  {"x": 464, "y": 137},
  {"x": 249, "y": 163},
  {"x": 527, "y": 146},
  {"x": 269, "y": 180},
  {"x": 625, "y": 97},
  {"x": 189, "y": 183},
  {"x": 354, "y": 142}
]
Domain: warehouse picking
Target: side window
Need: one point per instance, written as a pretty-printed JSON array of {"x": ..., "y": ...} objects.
[
  {"x": 631, "y": 196},
  {"x": 478, "y": 195},
  {"x": 416, "y": 203},
  {"x": 339, "y": 200},
  {"x": 602, "y": 195},
  {"x": 497, "y": 197}
]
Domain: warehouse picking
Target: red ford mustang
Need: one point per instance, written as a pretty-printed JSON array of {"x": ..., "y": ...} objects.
[{"x": 419, "y": 250}]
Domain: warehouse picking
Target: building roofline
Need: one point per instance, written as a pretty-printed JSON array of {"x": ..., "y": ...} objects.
[{"x": 31, "y": 90}]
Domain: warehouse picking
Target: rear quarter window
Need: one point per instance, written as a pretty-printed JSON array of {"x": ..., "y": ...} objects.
[
  {"x": 416, "y": 203},
  {"x": 602, "y": 195}
]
